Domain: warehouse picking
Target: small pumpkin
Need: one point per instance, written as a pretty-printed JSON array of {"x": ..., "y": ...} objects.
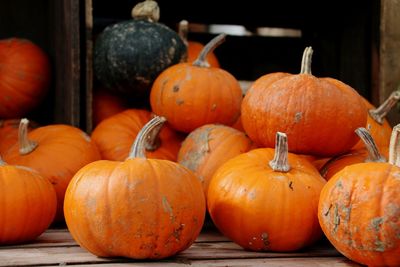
[
  {"x": 139, "y": 208},
  {"x": 308, "y": 109},
  {"x": 106, "y": 104},
  {"x": 370, "y": 153},
  {"x": 209, "y": 146},
  {"x": 377, "y": 124},
  {"x": 24, "y": 77},
  {"x": 56, "y": 151},
  {"x": 359, "y": 210},
  {"x": 191, "y": 95},
  {"x": 194, "y": 48},
  {"x": 267, "y": 199},
  {"x": 28, "y": 204},
  {"x": 129, "y": 55},
  {"x": 114, "y": 136}
]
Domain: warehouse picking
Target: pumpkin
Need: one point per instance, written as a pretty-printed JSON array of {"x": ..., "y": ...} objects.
[
  {"x": 208, "y": 147},
  {"x": 9, "y": 133},
  {"x": 194, "y": 48},
  {"x": 114, "y": 136},
  {"x": 319, "y": 115},
  {"x": 267, "y": 199},
  {"x": 129, "y": 55},
  {"x": 56, "y": 151},
  {"x": 370, "y": 153},
  {"x": 28, "y": 204},
  {"x": 139, "y": 208},
  {"x": 24, "y": 77},
  {"x": 377, "y": 124},
  {"x": 191, "y": 95},
  {"x": 106, "y": 104},
  {"x": 359, "y": 210}
]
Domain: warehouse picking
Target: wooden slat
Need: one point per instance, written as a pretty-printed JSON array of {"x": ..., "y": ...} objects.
[
  {"x": 89, "y": 64},
  {"x": 292, "y": 262}
]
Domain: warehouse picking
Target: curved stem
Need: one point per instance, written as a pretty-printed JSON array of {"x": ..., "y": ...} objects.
[
  {"x": 306, "y": 61},
  {"x": 380, "y": 113},
  {"x": 394, "y": 146},
  {"x": 183, "y": 31},
  {"x": 280, "y": 162},
  {"x": 147, "y": 10},
  {"x": 26, "y": 146},
  {"x": 214, "y": 43},
  {"x": 370, "y": 145},
  {"x": 138, "y": 149}
]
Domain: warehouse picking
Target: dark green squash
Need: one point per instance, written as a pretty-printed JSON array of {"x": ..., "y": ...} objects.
[{"x": 129, "y": 55}]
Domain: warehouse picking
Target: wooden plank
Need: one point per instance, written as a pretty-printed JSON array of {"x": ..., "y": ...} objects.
[
  {"x": 89, "y": 64},
  {"x": 292, "y": 262},
  {"x": 389, "y": 53}
]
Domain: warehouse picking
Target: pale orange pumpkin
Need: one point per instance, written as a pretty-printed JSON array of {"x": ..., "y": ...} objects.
[
  {"x": 28, "y": 204},
  {"x": 267, "y": 199},
  {"x": 57, "y": 152},
  {"x": 139, "y": 208}
]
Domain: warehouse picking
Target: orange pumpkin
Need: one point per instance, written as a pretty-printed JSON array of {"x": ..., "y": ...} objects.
[
  {"x": 24, "y": 76},
  {"x": 319, "y": 115},
  {"x": 106, "y": 104},
  {"x": 194, "y": 48},
  {"x": 261, "y": 202},
  {"x": 28, "y": 204},
  {"x": 359, "y": 210},
  {"x": 209, "y": 146},
  {"x": 114, "y": 136},
  {"x": 139, "y": 208},
  {"x": 57, "y": 152},
  {"x": 370, "y": 153},
  {"x": 377, "y": 124},
  {"x": 190, "y": 95}
]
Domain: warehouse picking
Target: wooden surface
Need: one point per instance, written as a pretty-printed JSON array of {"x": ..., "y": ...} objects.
[{"x": 56, "y": 247}]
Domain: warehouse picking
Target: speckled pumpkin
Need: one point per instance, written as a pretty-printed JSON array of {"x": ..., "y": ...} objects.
[{"x": 129, "y": 55}]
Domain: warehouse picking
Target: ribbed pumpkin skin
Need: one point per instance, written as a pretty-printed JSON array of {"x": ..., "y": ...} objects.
[
  {"x": 115, "y": 135},
  {"x": 194, "y": 49},
  {"x": 359, "y": 213},
  {"x": 24, "y": 77},
  {"x": 380, "y": 132},
  {"x": 129, "y": 55},
  {"x": 140, "y": 208},
  {"x": 190, "y": 96},
  {"x": 208, "y": 147},
  {"x": 262, "y": 210},
  {"x": 62, "y": 150},
  {"x": 28, "y": 204},
  {"x": 319, "y": 115}
]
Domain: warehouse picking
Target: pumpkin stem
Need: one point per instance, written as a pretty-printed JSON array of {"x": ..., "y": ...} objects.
[
  {"x": 380, "y": 113},
  {"x": 183, "y": 31},
  {"x": 370, "y": 145},
  {"x": 306, "y": 61},
  {"x": 214, "y": 43},
  {"x": 394, "y": 146},
  {"x": 138, "y": 149},
  {"x": 2, "y": 162},
  {"x": 280, "y": 162},
  {"x": 26, "y": 146},
  {"x": 147, "y": 10}
]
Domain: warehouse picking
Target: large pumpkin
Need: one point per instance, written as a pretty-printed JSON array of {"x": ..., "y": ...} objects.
[
  {"x": 359, "y": 210},
  {"x": 129, "y": 55},
  {"x": 190, "y": 95},
  {"x": 209, "y": 146},
  {"x": 139, "y": 208},
  {"x": 57, "y": 152},
  {"x": 114, "y": 136},
  {"x": 24, "y": 77},
  {"x": 319, "y": 115},
  {"x": 267, "y": 199},
  {"x": 28, "y": 204}
]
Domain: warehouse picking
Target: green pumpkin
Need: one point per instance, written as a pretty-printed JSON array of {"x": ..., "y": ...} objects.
[{"x": 129, "y": 55}]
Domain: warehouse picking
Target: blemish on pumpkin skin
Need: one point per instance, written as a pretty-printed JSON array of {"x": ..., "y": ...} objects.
[
  {"x": 175, "y": 88},
  {"x": 167, "y": 208},
  {"x": 179, "y": 102},
  {"x": 264, "y": 238},
  {"x": 298, "y": 116},
  {"x": 336, "y": 218},
  {"x": 291, "y": 185},
  {"x": 329, "y": 209},
  {"x": 376, "y": 223},
  {"x": 213, "y": 107}
]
